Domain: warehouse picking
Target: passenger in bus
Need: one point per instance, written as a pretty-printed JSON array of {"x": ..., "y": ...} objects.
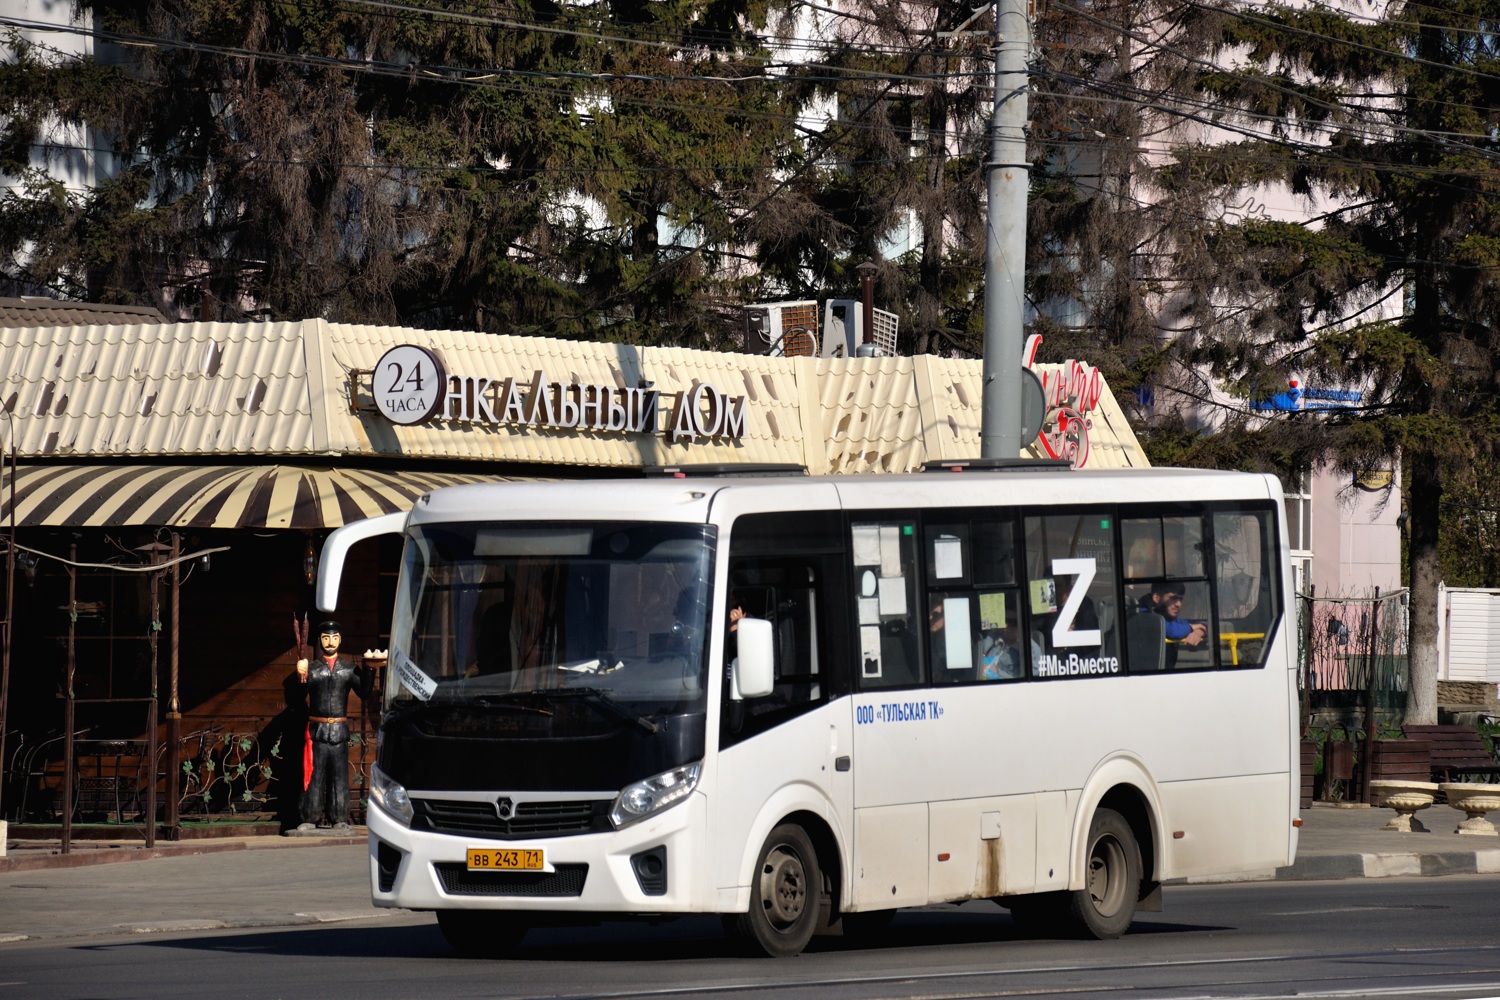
[
  {"x": 1165, "y": 599},
  {"x": 999, "y": 653},
  {"x": 937, "y": 639}
]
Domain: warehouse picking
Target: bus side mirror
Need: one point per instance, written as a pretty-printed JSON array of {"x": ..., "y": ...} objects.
[
  {"x": 754, "y": 669},
  {"x": 336, "y": 546}
]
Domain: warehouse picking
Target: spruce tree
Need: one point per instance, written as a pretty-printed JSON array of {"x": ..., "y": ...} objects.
[
  {"x": 574, "y": 170},
  {"x": 1391, "y": 121}
]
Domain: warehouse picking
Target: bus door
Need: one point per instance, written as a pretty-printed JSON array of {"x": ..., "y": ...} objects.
[
  {"x": 789, "y": 751},
  {"x": 943, "y": 808}
]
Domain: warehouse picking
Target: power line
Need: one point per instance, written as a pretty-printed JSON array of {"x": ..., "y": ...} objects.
[
  {"x": 1358, "y": 46},
  {"x": 1291, "y": 92}
]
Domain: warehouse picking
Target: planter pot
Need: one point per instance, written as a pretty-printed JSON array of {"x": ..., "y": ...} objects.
[
  {"x": 1475, "y": 800},
  {"x": 1407, "y": 798}
]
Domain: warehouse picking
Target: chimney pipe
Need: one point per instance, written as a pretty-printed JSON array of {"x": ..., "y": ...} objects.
[{"x": 867, "y": 273}]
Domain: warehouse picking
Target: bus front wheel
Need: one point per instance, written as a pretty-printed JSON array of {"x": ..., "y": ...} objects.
[
  {"x": 785, "y": 895},
  {"x": 482, "y": 933},
  {"x": 1105, "y": 906}
]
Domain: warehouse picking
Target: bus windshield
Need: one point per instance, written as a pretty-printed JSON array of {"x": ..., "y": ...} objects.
[{"x": 526, "y": 613}]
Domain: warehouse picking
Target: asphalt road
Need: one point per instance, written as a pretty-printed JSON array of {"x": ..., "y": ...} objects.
[{"x": 1431, "y": 937}]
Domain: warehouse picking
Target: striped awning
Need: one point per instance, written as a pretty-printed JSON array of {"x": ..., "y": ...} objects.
[{"x": 211, "y": 496}]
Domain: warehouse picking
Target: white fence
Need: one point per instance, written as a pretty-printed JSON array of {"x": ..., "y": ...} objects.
[{"x": 1468, "y": 629}]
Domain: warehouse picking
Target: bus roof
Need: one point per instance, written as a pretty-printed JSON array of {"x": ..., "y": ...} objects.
[{"x": 689, "y": 499}]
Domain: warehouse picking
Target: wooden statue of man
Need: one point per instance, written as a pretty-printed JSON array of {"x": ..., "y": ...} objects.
[{"x": 325, "y": 761}]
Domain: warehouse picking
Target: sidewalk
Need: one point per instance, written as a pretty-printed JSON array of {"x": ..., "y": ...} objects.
[
  {"x": 261, "y": 882},
  {"x": 286, "y": 881},
  {"x": 1351, "y": 843}
]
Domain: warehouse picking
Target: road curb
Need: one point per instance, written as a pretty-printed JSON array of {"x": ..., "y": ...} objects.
[
  {"x": 115, "y": 854},
  {"x": 1381, "y": 864},
  {"x": 1394, "y": 864}
]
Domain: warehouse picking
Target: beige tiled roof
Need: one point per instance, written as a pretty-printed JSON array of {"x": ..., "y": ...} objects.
[
  {"x": 871, "y": 414},
  {"x": 279, "y": 391},
  {"x": 956, "y": 392},
  {"x": 34, "y": 310},
  {"x": 158, "y": 391}
]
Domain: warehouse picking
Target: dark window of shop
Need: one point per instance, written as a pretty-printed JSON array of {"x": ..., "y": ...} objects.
[{"x": 789, "y": 569}]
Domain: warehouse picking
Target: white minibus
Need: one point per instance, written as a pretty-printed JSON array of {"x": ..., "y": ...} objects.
[{"x": 803, "y": 703}]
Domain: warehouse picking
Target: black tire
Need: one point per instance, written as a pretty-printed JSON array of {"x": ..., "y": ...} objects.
[
  {"x": 785, "y": 895},
  {"x": 482, "y": 933},
  {"x": 1105, "y": 906}
]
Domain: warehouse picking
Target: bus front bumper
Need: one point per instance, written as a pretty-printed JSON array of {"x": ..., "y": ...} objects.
[{"x": 647, "y": 868}]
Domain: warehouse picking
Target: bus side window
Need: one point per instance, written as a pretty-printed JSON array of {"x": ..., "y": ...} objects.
[
  {"x": 892, "y": 623},
  {"x": 1244, "y": 579},
  {"x": 789, "y": 570},
  {"x": 1164, "y": 578},
  {"x": 1070, "y": 596}
]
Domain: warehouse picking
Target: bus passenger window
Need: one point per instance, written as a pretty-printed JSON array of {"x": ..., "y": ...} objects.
[
  {"x": 1070, "y": 594},
  {"x": 1188, "y": 630},
  {"x": 891, "y": 621},
  {"x": 950, "y": 637},
  {"x": 1245, "y": 583},
  {"x": 948, "y": 555},
  {"x": 1001, "y": 654},
  {"x": 1164, "y": 578},
  {"x": 994, "y": 553}
]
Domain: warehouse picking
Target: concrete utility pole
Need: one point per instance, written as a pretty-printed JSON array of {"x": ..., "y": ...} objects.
[{"x": 1009, "y": 177}]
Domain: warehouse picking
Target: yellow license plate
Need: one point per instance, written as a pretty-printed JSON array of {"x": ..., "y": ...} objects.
[{"x": 507, "y": 859}]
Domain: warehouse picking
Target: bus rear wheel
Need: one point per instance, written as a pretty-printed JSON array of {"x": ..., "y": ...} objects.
[
  {"x": 482, "y": 933},
  {"x": 1105, "y": 906},
  {"x": 785, "y": 895}
]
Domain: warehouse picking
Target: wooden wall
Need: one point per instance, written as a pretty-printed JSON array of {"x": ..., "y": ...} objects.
[{"x": 236, "y": 662}]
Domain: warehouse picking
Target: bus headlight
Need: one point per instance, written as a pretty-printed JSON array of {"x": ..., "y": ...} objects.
[
  {"x": 390, "y": 796},
  {"x": 645, "y": 798}
]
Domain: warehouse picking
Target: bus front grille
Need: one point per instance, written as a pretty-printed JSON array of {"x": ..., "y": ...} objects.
[
  {"x": 457, "y": 880},
  {"x": 467, "y": 818}
]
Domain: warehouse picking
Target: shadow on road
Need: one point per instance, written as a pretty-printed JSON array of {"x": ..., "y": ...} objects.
[{"x": 685, "y": 939}]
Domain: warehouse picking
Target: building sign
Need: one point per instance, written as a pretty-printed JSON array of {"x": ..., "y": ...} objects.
[
  {"x": 1070, "y": 394},
  {"x": 1308, "y": 399},
  {"x": 408, "y": 384},
  {"x": 412, "y": 385}
]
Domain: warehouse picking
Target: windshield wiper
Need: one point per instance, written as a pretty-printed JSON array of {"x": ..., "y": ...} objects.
[
  {"x": 450, "y": 704},
  {"x": 502, "y": 701},
  {"x": 599, "y": 696}
]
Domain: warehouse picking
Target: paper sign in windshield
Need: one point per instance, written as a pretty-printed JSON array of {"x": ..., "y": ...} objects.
[{"x": 412, "y": 677}]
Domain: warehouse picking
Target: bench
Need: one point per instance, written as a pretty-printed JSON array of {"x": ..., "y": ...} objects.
[
  {"x": 1456, "y": 750},
  {"x": 1401, "y": 760}
]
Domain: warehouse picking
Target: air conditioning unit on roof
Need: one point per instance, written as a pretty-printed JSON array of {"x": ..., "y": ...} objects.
[
  {"x": 785, "y": 329},
  {"x": 844, "y": 330}
]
